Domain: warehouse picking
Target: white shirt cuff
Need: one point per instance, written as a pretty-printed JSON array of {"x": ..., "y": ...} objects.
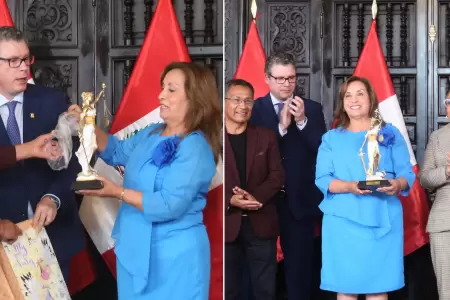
[
  {"x": 301, "y": 125},
  {"x": 282, "y": 132},
  {"x": 57, "y": 200}
]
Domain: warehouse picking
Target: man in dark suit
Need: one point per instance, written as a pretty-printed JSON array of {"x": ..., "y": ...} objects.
[
  {"x": 31, "y": 189},
  {"x": 253, "y": 179},
  {"x": 9, "y": 156},
  {"x": 299, "y": 124}
]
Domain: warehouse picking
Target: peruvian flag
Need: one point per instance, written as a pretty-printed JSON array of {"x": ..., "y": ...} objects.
[
  {"x": 139, "y": 107},
  {"x": 252, "y": 61},
  {"x": 82, "y": 269},
  {"x": 372, "y": 66},
  {"x": 6, "y": 20}
]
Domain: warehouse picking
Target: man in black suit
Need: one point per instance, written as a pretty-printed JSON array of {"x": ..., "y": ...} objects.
[
  {"x": 300, "y": 125},
  {"x": 9, "y": 156}
]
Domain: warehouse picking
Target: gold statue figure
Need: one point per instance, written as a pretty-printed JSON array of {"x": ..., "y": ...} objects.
[
  {"x": 88, "y": 139},
  {"x": 373, "y": 150}
]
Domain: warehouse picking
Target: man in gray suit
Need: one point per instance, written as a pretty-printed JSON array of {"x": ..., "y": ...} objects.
[{"x": 435, "y": 176}]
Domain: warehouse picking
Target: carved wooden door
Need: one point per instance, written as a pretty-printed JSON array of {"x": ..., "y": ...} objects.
[
  {"x": 293, "y": 27},
  {"x": 326, "y": 38},
  {"x": 61, "y": 37},
  {"x": 80, "y": 44},
  {"x": 120, "y": 31}
]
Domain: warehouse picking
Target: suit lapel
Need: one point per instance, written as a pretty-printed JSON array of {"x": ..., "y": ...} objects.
[
  {"x": 268, "y": 107},
  {"x": 31, "y": 108},
  {"x": 252, "y": 138},
  {"x": 4, "y": 138},
  {"x": 230, "y": 160}
]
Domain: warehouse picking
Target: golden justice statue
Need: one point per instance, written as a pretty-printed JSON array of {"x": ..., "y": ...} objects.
[
  {"x": 375, "y": 178},
  {"x": 88, "y": 177}
]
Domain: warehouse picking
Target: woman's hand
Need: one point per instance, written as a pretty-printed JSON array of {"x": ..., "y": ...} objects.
[
  {"x": 353, "y": 188},
  {"x": 393, "y": 189},
  {"x": 109, "y": 190}
]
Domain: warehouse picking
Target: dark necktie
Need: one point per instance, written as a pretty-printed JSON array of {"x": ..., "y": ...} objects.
[
  {"x": 280, "y": 107},
  {"x": 12, "y": 128}
]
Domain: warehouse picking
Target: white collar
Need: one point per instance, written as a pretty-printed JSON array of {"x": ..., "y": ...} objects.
[
  {"x": 18, "y": 98},
  {"x": 275, "y": 101}
]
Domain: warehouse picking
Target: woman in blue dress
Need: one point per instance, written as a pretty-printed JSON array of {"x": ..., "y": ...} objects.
[
  {"x": 362, "y": 231},
  {"x": 162, "y": 246}
]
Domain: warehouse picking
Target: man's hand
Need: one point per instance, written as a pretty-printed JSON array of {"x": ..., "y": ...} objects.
[
  {"x": 41, "y": 147},
  {"x": 285, "y": 116},
  {"x": 297, "y": 109},
  {"x": 75, "y": 110},
  {"x": 244, "y": 200},
  {"x": 9, "y": 232},
  {"x": 45, "y": 212}
]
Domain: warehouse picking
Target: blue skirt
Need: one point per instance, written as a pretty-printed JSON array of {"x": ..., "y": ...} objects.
[
  {"x": 179, "y": 268},
  {"x": 355, "y": 262}
]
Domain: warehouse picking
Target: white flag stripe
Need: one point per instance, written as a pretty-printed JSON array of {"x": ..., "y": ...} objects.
[
  {"x": 99, "y": 214},
  {"x": 151, "y": 117},
  {"x": 390, "y": 112}
]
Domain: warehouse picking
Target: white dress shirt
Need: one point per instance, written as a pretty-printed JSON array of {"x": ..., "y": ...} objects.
[
  {"x": 300, "y": 125},
  {"x": 4, "y": 114}
]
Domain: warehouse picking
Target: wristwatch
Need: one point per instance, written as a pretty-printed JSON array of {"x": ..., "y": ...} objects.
[{"x": 55, "y": 200}]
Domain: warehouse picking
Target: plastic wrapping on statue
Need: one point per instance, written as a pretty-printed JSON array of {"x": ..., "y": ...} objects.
[{"x": 66, "y": 128}]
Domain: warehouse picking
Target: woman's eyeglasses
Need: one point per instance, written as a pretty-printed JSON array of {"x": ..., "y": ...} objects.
[{"x": 447, "y": 102}]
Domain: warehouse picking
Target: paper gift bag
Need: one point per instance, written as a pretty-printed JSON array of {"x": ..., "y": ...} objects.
[{"x": 29, "y": 269}]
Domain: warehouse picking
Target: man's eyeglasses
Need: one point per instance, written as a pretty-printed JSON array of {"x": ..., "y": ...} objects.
[
  {"x": 16, "y": 62},
  {"x": 238, "y": 101},
  {"x": 281, "y": 80}
]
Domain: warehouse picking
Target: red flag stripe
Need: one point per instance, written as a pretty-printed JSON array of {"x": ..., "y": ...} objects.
[
  {"x": 372, "y": 65},
  {"x": 252, "y": 61},
  {"x": 163, "y": 44},
  {"x": 110, "y": 260},
  {"x": 82, "y": 272},
  {"x": 5, "y": 16},
  {"x": 416, "y": 217}
]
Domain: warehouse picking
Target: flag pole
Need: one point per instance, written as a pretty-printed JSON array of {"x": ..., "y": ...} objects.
[
  {"x": 374, "y": 9},
  {"x": 253, "y": 9}
]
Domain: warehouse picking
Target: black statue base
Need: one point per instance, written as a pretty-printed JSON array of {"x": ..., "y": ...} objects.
[
  {"x": 87, "y": 185},
  {"x": 372, "y": 185}
]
